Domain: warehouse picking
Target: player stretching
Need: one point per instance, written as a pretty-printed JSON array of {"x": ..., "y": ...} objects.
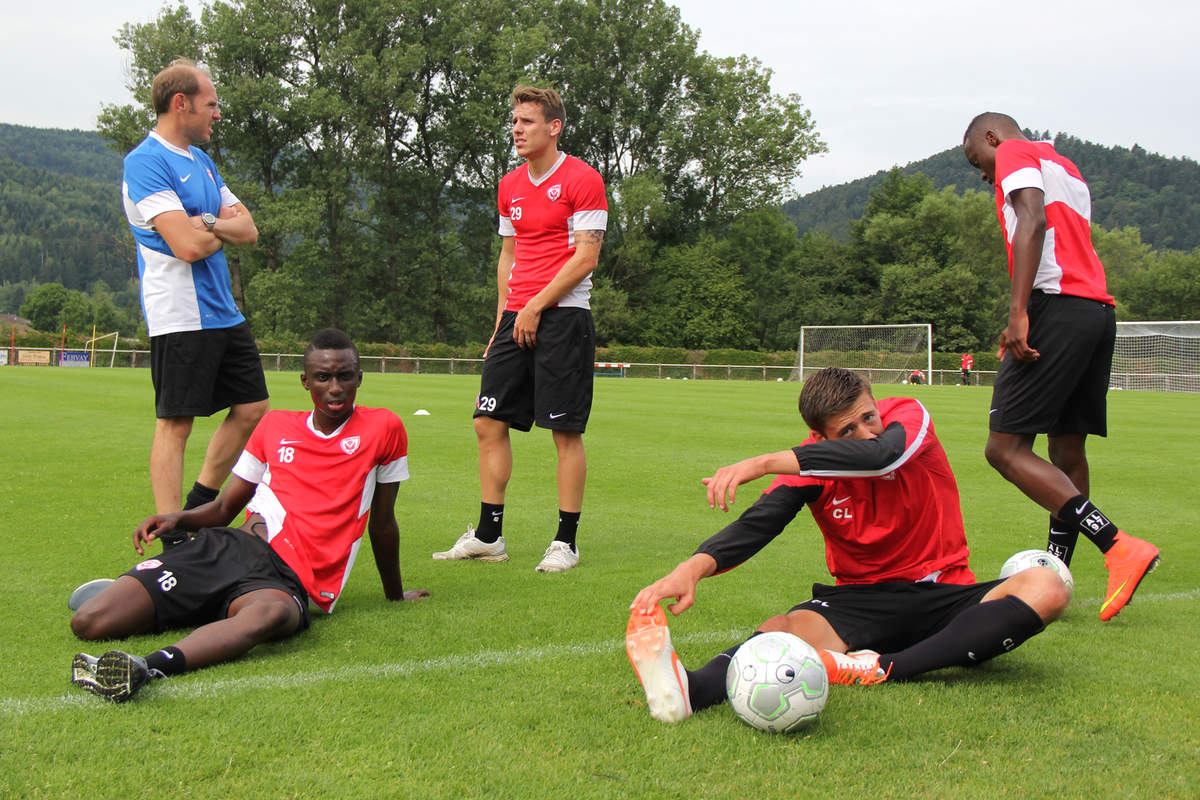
[
  {"x": 307, "y": 480},
  {"x": 1056, "y": 352},
  {"x": 881, "y": 490},
  {"x": 538, "y": 364}
]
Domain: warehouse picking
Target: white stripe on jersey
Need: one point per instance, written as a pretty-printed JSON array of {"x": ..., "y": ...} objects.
[
  {"x": 900, "y": 461},
  {"x": 168, "y": 293},
  {"x": 267, "y": 504}
]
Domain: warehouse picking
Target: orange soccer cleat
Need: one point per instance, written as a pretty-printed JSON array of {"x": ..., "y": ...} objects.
[{"x": 1128, "y": 561}]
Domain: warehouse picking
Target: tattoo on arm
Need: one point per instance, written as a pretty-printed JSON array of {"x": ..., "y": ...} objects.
[{"x": 591, "y": 237}]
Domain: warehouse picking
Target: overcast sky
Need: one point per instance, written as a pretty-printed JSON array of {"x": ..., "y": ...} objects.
[{"x": 887, "y": 82}]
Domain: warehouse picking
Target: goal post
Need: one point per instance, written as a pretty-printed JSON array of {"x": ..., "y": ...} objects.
[
  {"x": 1158, "y": 356},
  {"x": 881, "y": 353}
]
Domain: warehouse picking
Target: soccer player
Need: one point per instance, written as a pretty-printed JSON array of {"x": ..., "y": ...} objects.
[
  {"x": 1056, "y": 351},
  {"x": 310, "y": 482},
  {"x": 203, "y": 358},
  {"x": 965, "y": 364},
  {"x": 880, "y": 488},
  {"x": 538, "y": 363}
]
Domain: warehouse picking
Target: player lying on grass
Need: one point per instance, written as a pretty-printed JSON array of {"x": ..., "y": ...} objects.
[
  {"x": 307, "y": 481},
  {"x": 905, "y": 602}
]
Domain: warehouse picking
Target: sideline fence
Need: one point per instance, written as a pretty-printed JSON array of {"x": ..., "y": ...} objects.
[{"x": 428, "y": 365}]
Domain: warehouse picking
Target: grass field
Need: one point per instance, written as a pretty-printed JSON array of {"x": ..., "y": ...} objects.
[{"x": 510, "y": 684}]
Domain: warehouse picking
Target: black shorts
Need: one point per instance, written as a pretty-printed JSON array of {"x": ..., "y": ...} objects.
[
  {"x": 1065, "y": 390},
  {"x": 198, "y": 373},
  {"x": 192, "y": 583},
  {"x": 892, "y": 616},
  {"x": 550, "y": 384}
]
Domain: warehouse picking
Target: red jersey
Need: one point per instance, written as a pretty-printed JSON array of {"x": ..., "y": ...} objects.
[
  {"x": 543, "y": 216},
  {"x": 900, "y": 523},
  {"x": 967, "y": 361},
  {"x": 314, "y": 490},
  {"x": 1069, "y": 264}
]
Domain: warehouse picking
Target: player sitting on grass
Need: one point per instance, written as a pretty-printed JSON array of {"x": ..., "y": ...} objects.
[
  {"x": 307, "y": 480},
  {"x": 881, "y": 490}
]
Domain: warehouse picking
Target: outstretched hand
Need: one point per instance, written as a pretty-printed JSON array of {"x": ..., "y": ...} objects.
[
  {"x": 678, "y": 585},
  {"x": 681, "y": 590},
  {"x": 722, "y": 486}
]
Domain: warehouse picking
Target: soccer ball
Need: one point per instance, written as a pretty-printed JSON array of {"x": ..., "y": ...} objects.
[
  {"x": 776, "y": 682},
  {"x": 1037, "y": 558}
]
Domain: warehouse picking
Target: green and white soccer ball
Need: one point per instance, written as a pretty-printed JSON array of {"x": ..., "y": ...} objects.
[
  {"x": 776, "y": 682},
  {"x": 1037, "y": 558}
]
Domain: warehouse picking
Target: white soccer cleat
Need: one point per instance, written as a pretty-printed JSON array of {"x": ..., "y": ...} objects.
[
  {"x": 648, "y": 645},
  {"x": 468, "y": 546},
  {"x": 559, "y": 557}
]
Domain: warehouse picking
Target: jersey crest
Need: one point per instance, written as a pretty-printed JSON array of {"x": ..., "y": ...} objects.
[
  {"x": 350, "y": 444},
  {"x": 554, "y": 192}
]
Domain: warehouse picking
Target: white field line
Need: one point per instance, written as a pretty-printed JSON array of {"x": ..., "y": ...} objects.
[{"x": 196, "y": 686}]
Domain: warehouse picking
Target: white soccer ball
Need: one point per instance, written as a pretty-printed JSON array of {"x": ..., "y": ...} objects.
[
  {"x": 1037, "y": 558},
  {"x": 776, "y": 682}
]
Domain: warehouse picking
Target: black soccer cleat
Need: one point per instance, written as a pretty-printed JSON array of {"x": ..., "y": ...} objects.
[{"x": 115, "y": 676}]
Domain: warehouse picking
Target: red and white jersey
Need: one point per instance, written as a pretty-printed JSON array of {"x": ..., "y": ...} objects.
[
  {"x": 314, "y": 490},
  {"x": 899, "y": 523},
  {"x": 1069, "y": 263},
  {"x": 967, "y": 361},
  {"x": 543, "y": 216}
]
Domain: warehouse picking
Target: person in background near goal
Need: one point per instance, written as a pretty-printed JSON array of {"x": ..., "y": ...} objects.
[
  {"x": 203, "y": 358},
  {"x": 538, "y": 364},
  {"x": 880, "y": 488},
  {"x": 1056, "y": 351},
  {"x": 917, "y": 377},
  {"x": 966, "y": 364},
  {"x": 310, "y": 483}
]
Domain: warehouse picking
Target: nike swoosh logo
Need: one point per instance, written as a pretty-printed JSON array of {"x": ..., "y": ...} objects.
[
  {"x": 1081, "y": 508},
  {"x": 556, "y": 416},
  {"x": 1114, "y": 595},
  {"x": 837, "y": 501},
  {"x": 515, "y": 199},
  {"x": 289, "y": 441},
  {"x": 184, "y": 178},
  {"x": 993, "y": 411}
]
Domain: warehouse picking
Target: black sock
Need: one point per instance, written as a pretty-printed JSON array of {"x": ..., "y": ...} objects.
[
  {"x": 169, "y": 661},
  {"x": 706, "y": 686},
  {"x": 1079, "y": 514},
  {"x": 568, "y": 526},
  {"x": 491, "y": 522},
  {"x": 199, "y": 495},
  {"x": 981, "y": 632},
  {"x": 1060, "y": 540}
]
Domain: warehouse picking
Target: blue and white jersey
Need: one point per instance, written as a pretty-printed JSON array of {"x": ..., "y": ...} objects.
[{"x": 177, "y": 295}]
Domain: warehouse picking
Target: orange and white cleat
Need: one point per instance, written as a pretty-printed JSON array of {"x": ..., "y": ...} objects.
[
  {"x": 1128, "y": 561},
  {"x": 648, "y": 645},
  {"x": 860, "y": 666}
]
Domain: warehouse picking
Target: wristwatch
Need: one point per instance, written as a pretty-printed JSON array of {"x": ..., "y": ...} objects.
[{"x": 209, "y": 220}]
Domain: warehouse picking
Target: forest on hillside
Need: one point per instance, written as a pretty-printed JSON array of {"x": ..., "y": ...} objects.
[
  {"x": 1131, "y": 188},
  {"x": 369, "y": 154}
]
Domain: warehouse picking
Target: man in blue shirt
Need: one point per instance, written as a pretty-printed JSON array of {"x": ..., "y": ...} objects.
[{"x": 203, "y": 357}]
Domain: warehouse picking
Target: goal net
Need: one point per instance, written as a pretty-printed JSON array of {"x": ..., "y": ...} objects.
[
  {"x": 1157, "y": 356},
  {"x": 880, "y": 353}
]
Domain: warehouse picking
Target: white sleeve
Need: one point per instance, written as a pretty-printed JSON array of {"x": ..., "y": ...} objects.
[
  {"x": 249, "y": 468},
  {"x": 393, "y": 472}
]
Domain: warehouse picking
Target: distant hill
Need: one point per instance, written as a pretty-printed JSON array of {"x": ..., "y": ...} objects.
[
  {"x": 82, "y": 154},
  {"x": 1130, "y": 187},
  {"x": 60, "y": 210}
]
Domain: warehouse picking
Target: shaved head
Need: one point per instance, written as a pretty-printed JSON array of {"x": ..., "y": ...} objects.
[{"x": 994, "y": 121}]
